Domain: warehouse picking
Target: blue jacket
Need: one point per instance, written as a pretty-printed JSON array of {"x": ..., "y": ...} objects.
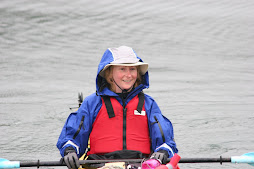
[{"x": 78, "y": 126}]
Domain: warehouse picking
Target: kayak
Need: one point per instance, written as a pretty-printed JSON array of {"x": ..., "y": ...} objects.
[{"x": 111, "y": 165}]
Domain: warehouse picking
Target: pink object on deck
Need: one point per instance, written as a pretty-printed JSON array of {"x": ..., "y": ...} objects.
[
  {"x": 172, "y": 164},
  {"x": 150, "y": 164}
]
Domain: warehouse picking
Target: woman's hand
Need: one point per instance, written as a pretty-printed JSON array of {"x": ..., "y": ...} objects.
[
  {"x": 161, "y": 155},
  {"x": 71, "y": 158}
]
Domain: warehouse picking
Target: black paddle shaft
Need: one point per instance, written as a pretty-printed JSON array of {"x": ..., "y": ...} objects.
[
  {"x": 183, "y": 160},
  {"x": 41, "y": 163},
  {"x": 58, "y": 163},
  {"x": 204, "y": 160}
]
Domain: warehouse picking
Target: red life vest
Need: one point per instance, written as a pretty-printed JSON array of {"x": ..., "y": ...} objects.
[{"x": 116, "y": 128}]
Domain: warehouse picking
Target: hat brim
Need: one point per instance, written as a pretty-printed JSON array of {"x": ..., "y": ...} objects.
[{"x": 143, "y": 67}]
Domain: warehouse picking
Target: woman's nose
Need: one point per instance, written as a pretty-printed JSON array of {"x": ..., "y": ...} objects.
[{"x": 128, "y": 72}]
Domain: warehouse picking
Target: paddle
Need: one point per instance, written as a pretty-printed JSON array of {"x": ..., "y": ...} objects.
[
  {"x": 80, "y": 100},
  {"x": 245, "y": 158}
]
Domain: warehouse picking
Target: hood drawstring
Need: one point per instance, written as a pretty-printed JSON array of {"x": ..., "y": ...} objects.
[
  {"x": 123, "y": 90},
  {"x": 124, "y": 93}
]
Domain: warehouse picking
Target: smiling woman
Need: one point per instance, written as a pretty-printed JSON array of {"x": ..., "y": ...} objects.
[
  {"x": 119, "y": 119},
  {"x": 122, "y": 78}
]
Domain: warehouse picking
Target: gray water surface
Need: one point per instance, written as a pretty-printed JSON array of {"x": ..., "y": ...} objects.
[{"x": 201, "y": 67}]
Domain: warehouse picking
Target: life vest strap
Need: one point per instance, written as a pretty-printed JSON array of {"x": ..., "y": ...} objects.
[
  {"x": 110, "y": 109},
  {"x": 141, "y": 97},
  {"x": 109, "y": 106}
]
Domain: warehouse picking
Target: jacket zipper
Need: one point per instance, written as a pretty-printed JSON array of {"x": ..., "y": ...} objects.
[
  {"x": 124, "y": 128},
  {"x": 162, "y": 133},
  {"x": 124, "y": 121},
  {"x": 79, "y": 128}
]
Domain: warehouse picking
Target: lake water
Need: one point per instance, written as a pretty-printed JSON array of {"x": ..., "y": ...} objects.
[{"x": 201, "y": 67}]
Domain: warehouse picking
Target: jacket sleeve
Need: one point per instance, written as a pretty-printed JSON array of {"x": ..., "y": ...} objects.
[
  {"x": 77, "y": 127},
  {"x": 161, "y": 129}
]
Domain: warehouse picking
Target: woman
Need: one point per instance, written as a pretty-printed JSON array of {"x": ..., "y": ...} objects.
[{"x": 119, "y": 119}]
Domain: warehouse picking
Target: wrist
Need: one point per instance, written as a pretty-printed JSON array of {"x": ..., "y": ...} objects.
[
  {"x": 69, "y": 150},
  {"x": 164, "y": 152}
]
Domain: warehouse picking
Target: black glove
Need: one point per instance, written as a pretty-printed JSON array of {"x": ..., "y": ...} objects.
[
  {"x": 161, "y": 155},
  {"x": 71, "y": 158}
]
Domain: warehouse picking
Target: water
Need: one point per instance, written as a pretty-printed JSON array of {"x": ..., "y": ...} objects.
[{"x": 200, "y": 56}]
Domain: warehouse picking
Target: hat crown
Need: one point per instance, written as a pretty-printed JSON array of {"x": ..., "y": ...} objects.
[{"x": 123, "y": 54}]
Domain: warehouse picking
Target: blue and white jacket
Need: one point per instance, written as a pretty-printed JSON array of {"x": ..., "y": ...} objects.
[{"x": 78, "y": 126}]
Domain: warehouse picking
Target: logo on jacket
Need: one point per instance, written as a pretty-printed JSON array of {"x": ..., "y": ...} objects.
[{"x": 142, "y": 113}]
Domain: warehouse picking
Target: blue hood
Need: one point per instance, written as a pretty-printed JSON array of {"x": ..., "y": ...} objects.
[{"x": 106, "y": 59}]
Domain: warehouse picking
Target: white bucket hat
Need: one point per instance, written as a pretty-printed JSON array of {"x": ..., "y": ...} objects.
[{"x": 125, "y": 56}]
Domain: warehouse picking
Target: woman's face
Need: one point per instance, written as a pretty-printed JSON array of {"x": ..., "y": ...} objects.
[{"x": 124, "y": 77}]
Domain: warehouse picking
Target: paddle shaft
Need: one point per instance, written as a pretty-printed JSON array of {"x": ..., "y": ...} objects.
[
  {"x": 58, "y": 163},
  {"x": 204, "y": 160},
  {"x": 41, "y": 163},
  {"x": 183, "y": 160}
]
